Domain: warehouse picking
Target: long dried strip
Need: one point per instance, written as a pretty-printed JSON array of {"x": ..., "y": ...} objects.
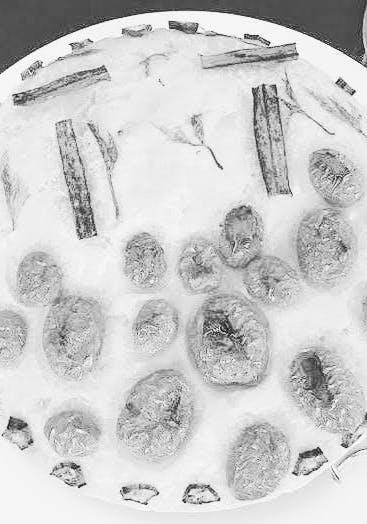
[
  {"x": 136, "y": 30},
  {"x": 109, "y": 153},
  {"x": 245, "y": 56},
  {"x": 270, "y": 140},
  {"x": 32, "y": 69},
  {"x": 257, "y": 38},
  {"x": 61, "y": 85},
  {"x": 186, "y": 27},
  {"x": 75, "y": 180},
  {"x": 345, "y": 86}
]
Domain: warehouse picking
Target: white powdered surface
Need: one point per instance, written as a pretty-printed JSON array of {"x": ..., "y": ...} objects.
[{"x": 171, "y": 190}]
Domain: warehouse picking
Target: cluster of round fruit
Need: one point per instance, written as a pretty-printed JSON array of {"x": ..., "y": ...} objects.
[{"x": 228, "y": 341}]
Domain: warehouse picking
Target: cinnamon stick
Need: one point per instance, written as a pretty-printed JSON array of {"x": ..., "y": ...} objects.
[{"x": 270, "y": 140}]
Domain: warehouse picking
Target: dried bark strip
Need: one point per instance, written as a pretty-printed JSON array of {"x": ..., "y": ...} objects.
[
  {"x": 345, "y": 86},
  {"x": 270, "y": 140},
  {"x": 186, "y": 27},
  {"x": 56, "y": 87},
  {"x": 109, "y": 154},
  {"x": 32, "y": 69},
  {"x": 257, "y": 38},
  {"x": 245, "y": 56},
  {"x": 75, "y": 180}
]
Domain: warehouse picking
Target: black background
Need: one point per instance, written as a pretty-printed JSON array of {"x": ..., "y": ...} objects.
[{"x": 25, "y": 25}]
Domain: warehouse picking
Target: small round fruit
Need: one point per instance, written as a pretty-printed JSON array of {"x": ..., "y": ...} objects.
[
  {"x": 271, "y": 281},
  {"x": 39, "y": 279},
  {"x": 13, "y": 336},
  {"x": 241, "y": 236},
  {"x": 155, "y": 326},
  {"x": 326, "y": 391},
  {"x": 72, "y": 433},
  {"x": 72, "y": 336},
  {"x": 200, "y": 266},
  {"x": 228, "y": 341},
  {"x": 145, "y": 263},
  {"x": 335, "y": 177},
  {"x": 157, "y": 416},
  {"x": 326, "y": 247},
  {"x": 258, "y": 461}
]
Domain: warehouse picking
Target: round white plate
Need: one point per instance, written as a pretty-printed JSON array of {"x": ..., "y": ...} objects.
[{"x": 331, "y": 61}]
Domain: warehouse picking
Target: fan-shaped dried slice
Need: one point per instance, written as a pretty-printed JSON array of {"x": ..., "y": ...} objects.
[
  {"x": 19, "y": 433},
  {"x": 228, "y": 341},
  {"x": 72, "y": 433},
  {"x": 335, "y": 177},
  {"x": 39, "y": 279},
  {"x": 32, "y": 69},
  {"x": 140, "y": 493},
  {"x": 155, "y": 326},
  {"x": 73, "y": 336},
  {"x": 200, "y": 494},
  {"x": 326, "y": 391},
  {"x": 241, "y": 236},
  {"x": 200, "y": 266},
  {"x": 272, "y": 281},
  {"x": 157, "y": 416},
  {"x": 136, "y": 30},
  {"x": 145, "y": 262},
  {"x": 186, "y": 27},
  {"x": 70, "y": 473},
  {"x": 13, "y": 336},
  {"x": 309, "y": 461},
  {"x": 326, "y": 247},
  {"x": 258, "y": 461}
]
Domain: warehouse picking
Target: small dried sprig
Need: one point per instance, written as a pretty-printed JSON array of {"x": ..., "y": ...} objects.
[
  {"x": 16, "y": 193},
  {"x": 110, "y": 155},
  {"x": 177, "y": 135},
  {"x": 146, "y": 62},
  {"x": 294, "y": 106},
  {"x": 335, "y": 469},
  {"x": 331, "y": 105}
]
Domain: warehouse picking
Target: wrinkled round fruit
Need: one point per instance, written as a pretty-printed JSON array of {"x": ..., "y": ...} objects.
[
  {"x": 72, "y": 336},
  {"x": 200, "y": 266},
  {"x": 326, "y": 247},
  {"x": 13, "y": 336},
  {"x": 271, "y": 281},
  {"x": 228, "y": 341},
  {"x": 258, "y": 461},
  {"x": 326, "y": 391},
  {"x": 72, "y": 433},
  {"x": 241, "y": 236},
  {"x": 335, "y": 177},
  {"x": 38, "y": 280},
  {"x": 155, "y": 326},
  {"x": 145, "y": 262},
  {"x": 157, "y": 416}
]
